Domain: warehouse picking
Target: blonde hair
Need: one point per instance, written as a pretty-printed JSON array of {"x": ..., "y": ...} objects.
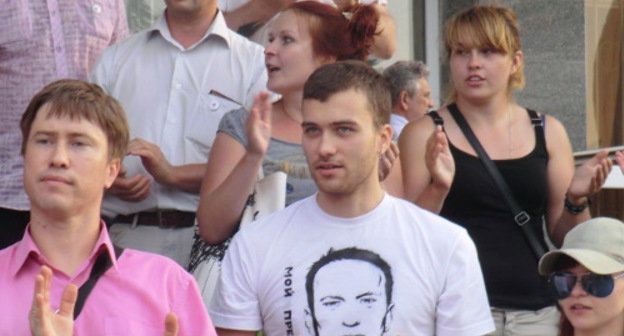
[{"x": 494, "y": 27}]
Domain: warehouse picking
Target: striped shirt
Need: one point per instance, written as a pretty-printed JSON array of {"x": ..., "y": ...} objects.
[{"x": 41, "y": 41}]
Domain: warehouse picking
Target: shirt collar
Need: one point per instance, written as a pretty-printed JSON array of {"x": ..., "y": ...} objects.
[
  {"x": 399, "y": 119},
  {"x": 26, "y": 249},
  {"x": 218, "y": 28}
]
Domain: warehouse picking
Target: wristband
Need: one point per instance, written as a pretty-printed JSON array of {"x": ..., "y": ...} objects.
[{"x": 575, "y": 209}]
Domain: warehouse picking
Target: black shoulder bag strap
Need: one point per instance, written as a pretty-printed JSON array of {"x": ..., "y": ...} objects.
[
  {"x": 102, "y": 264},
  {"x": 437, "y": 120},
  {"x": 521, "y": 217}
]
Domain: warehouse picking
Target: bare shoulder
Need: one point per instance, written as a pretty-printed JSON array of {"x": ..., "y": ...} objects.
[
  {"x": 417, "y": 130},
  {"x": 555, "y": 132},
  {"x": 553, "y": 125}
]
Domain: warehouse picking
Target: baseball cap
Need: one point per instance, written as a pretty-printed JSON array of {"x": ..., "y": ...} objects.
[{"x": 597, "y": 244}]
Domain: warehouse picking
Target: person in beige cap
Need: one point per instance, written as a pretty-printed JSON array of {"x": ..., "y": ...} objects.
[{"x": 586, "y": 278}]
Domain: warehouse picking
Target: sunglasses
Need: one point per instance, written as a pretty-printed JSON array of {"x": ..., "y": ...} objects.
[{"x": 598, "y": 285}]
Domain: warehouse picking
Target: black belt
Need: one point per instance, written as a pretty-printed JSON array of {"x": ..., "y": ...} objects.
[{"x": 160, "y": 218}]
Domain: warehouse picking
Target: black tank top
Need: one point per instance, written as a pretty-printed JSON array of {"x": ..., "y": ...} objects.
[{"x": 475, "y": 202}]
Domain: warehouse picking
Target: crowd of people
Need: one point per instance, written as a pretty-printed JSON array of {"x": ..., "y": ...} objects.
[{"x": 127, "y": 163}]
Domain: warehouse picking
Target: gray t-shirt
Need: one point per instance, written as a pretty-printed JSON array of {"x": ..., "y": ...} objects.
[{"x": 281, "y": 156}]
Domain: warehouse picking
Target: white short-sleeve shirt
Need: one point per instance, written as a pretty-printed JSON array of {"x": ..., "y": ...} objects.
[{"x": 397, "y": 270}]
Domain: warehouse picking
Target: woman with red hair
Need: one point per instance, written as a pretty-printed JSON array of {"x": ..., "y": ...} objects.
[{"x": 302, "y": 38}]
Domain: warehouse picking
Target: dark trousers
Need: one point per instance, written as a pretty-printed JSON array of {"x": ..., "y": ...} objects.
[{"x": 12, "y": 226}]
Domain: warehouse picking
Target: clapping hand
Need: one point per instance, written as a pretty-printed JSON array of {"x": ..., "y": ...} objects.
[
  {"x": 387, "y": 160},
  {"x": 171, "y": 325},
  {"x": 439, "y": 159},
  {"x": 258, "y": 125},
  {"x": 44, "y": 322},
  {"x": 590, "y": 176},
  {"x": 619, "y": 158}
]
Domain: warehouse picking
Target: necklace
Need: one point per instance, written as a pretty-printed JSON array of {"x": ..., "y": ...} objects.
[
  {"x": 510, "y": 148},
  {"x": 286, "y": 114}
]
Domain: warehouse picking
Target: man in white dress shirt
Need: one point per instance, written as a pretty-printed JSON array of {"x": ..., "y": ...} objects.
[{"x": 175, "y": 81}]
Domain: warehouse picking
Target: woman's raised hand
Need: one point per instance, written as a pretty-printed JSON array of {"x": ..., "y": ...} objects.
[
  {"x": 589, "y": 177},
  {"x": 258, "y": 125},
  {"x": 439, "y": 160},
  {"x": 619, "y": 158}
]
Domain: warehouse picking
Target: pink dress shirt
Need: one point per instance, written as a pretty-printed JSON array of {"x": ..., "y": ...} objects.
[
  {"x": 131, "y": 298},
  {"x": 42, "y": 41}
]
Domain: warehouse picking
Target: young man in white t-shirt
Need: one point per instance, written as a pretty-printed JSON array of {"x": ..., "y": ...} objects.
[{"x": 350, "y": 259}]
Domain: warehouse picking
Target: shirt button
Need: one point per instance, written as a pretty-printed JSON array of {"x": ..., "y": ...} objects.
[
  {"x": 214, "y": 105},
  {"x": 97, "y": 9},
  {"x": 178, "y": 85}
]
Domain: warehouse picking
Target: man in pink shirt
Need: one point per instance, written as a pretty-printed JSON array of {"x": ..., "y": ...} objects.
[
  {"x": 42, "y": 41},
  {"x": 74, "y": 136}
]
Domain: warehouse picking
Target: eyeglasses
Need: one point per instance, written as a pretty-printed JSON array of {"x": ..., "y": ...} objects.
[{"x": 598, "y": 285}]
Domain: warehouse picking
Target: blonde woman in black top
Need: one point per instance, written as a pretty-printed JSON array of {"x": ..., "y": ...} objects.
[{"x": 441, "y": 171}]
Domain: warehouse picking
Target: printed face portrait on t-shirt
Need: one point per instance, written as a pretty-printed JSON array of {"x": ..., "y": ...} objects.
[{"x": 349, "y": 293}]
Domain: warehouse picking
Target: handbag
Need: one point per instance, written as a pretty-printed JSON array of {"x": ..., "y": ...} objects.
[
  {"x": 520, "y": 216},
  {"x": 268, "y": 195}
]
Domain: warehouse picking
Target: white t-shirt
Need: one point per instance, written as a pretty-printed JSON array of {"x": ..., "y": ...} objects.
[{"x": 397, "y": 270}]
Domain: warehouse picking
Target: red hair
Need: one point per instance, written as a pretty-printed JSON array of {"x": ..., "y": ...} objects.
[{"x": 341, "y": 33}]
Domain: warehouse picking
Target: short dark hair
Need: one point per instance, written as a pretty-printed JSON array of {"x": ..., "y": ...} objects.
[
  {"x": 349, "y": 253},
  {"x": 77, "y": 100},
  {"x": 341, "y": 76}
]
